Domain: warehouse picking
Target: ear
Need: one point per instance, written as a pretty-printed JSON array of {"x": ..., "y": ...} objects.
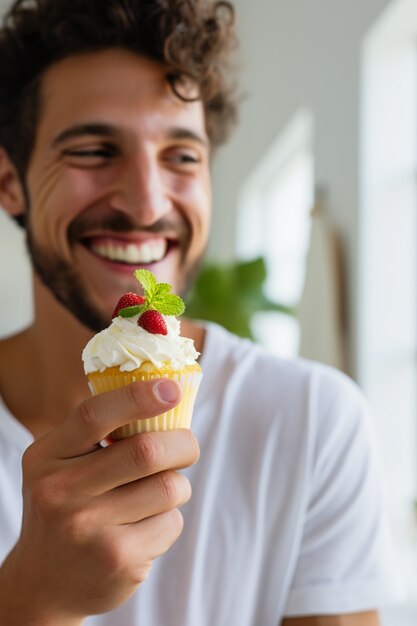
[{"x": 12, "y": 197}]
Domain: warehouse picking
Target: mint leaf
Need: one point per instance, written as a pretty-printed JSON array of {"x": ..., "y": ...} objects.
[
  {"x": 157, "y": 295},
  {"x": 169, "y": 304},
  {"x": 161, "y": 289},
  {"x": 130, "y": 311},
  {"x": 148, "y": 282}
]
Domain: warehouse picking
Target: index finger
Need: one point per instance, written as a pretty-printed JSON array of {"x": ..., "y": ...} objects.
[{"x": 92, "y": 420}]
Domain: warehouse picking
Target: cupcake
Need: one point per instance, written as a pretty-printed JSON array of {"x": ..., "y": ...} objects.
[{"x": 143, "y": 342}]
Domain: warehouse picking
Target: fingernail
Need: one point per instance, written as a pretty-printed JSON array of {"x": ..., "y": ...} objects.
[{"x": 166, "y": 391}]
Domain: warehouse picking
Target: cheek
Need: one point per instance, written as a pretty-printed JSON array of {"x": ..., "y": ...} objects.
[
  {"x": 200, "y": 221},
  {"x": 194, "y": 197},
  {"x": 58, "y": 197}
]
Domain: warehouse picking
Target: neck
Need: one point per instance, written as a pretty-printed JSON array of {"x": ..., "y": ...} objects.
[
  {"x": 46, "y": 361},
  {"x": 195, "y": 332}
]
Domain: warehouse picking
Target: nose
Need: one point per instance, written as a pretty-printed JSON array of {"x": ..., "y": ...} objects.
[{"x": 141, "y": 188}]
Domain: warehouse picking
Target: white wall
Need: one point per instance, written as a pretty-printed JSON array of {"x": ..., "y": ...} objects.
[
  {"x": 296, "y": 53},
  {"x": 16, "y": 310}
]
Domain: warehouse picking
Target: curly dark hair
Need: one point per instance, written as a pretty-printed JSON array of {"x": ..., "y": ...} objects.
[{"x": 193, "y": 37}]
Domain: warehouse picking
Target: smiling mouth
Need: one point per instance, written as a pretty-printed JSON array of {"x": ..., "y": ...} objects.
[{"x": 129, "y": 253}]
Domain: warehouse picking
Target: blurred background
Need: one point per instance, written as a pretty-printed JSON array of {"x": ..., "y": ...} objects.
[{"x": 314, "y": 239}]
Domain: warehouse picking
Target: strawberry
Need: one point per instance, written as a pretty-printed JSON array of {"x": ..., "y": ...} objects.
[
  {"x": 129, "y": 299},
  {"x": 153, "y": 322}
]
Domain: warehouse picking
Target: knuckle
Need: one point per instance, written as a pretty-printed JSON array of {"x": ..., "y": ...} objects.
[
  {"x": 114, "y": 557},
  {"x": 47, "y": 496},
  {"x": 133, "y": 392},
  {"x": 77, "y": 526},
  {"x": 86, "y": 414},
  {"x": 167, "y": 486},
  {"x": 145, "y": 452},
  {"x": 137, "y": 394},
  {"x": 122, "y": 564}
]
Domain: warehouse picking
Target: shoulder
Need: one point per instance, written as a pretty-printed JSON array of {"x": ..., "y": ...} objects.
[
  {"x": 308, "y": 407},
  {"x": 321, "y": 388}
]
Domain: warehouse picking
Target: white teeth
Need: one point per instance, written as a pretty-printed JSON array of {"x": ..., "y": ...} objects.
[
  {"x": 147, "y": 252},
  {"x": 111, "y": 252},
  {"x": 131, "y": 253}
]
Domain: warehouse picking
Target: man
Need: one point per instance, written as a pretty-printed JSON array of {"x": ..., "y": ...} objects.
[{"x": 109, "y": 113}]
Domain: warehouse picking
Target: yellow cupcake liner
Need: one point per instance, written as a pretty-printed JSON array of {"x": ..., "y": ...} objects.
[{"x": 189, "y": 379}]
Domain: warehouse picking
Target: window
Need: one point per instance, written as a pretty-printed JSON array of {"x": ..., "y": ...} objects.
[
  {"x": 387, "y": 339},
  {"x": 274, "y": 221}
]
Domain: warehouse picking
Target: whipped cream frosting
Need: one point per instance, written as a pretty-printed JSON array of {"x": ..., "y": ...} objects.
[{"x": 127, "y": 345}]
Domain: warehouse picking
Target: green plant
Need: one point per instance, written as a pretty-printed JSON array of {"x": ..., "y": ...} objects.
[{"x": 230, "y": 294}]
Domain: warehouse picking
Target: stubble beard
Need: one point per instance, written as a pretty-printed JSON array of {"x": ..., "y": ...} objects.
[{"x": 66, "y": 285}]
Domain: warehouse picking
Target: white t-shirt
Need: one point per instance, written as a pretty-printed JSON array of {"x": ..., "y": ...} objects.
[{"x": 286, "y": 515}]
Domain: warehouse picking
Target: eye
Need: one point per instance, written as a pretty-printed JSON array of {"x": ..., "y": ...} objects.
[
  {"x": 90, "y": 156},
  {"x": 186, "y": 158},
  {"x": 183, "y": 157},
  {"x": 88, "y": 153}
]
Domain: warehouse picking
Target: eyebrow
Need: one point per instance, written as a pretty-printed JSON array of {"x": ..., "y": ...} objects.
[
  {"x": 108, "y": 130},
  {"x": 178, "y": 132},
  {"x": 80, "y": 130}
]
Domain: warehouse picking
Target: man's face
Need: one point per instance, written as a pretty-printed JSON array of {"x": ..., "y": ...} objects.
[{"x": 118, "y": 179}]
